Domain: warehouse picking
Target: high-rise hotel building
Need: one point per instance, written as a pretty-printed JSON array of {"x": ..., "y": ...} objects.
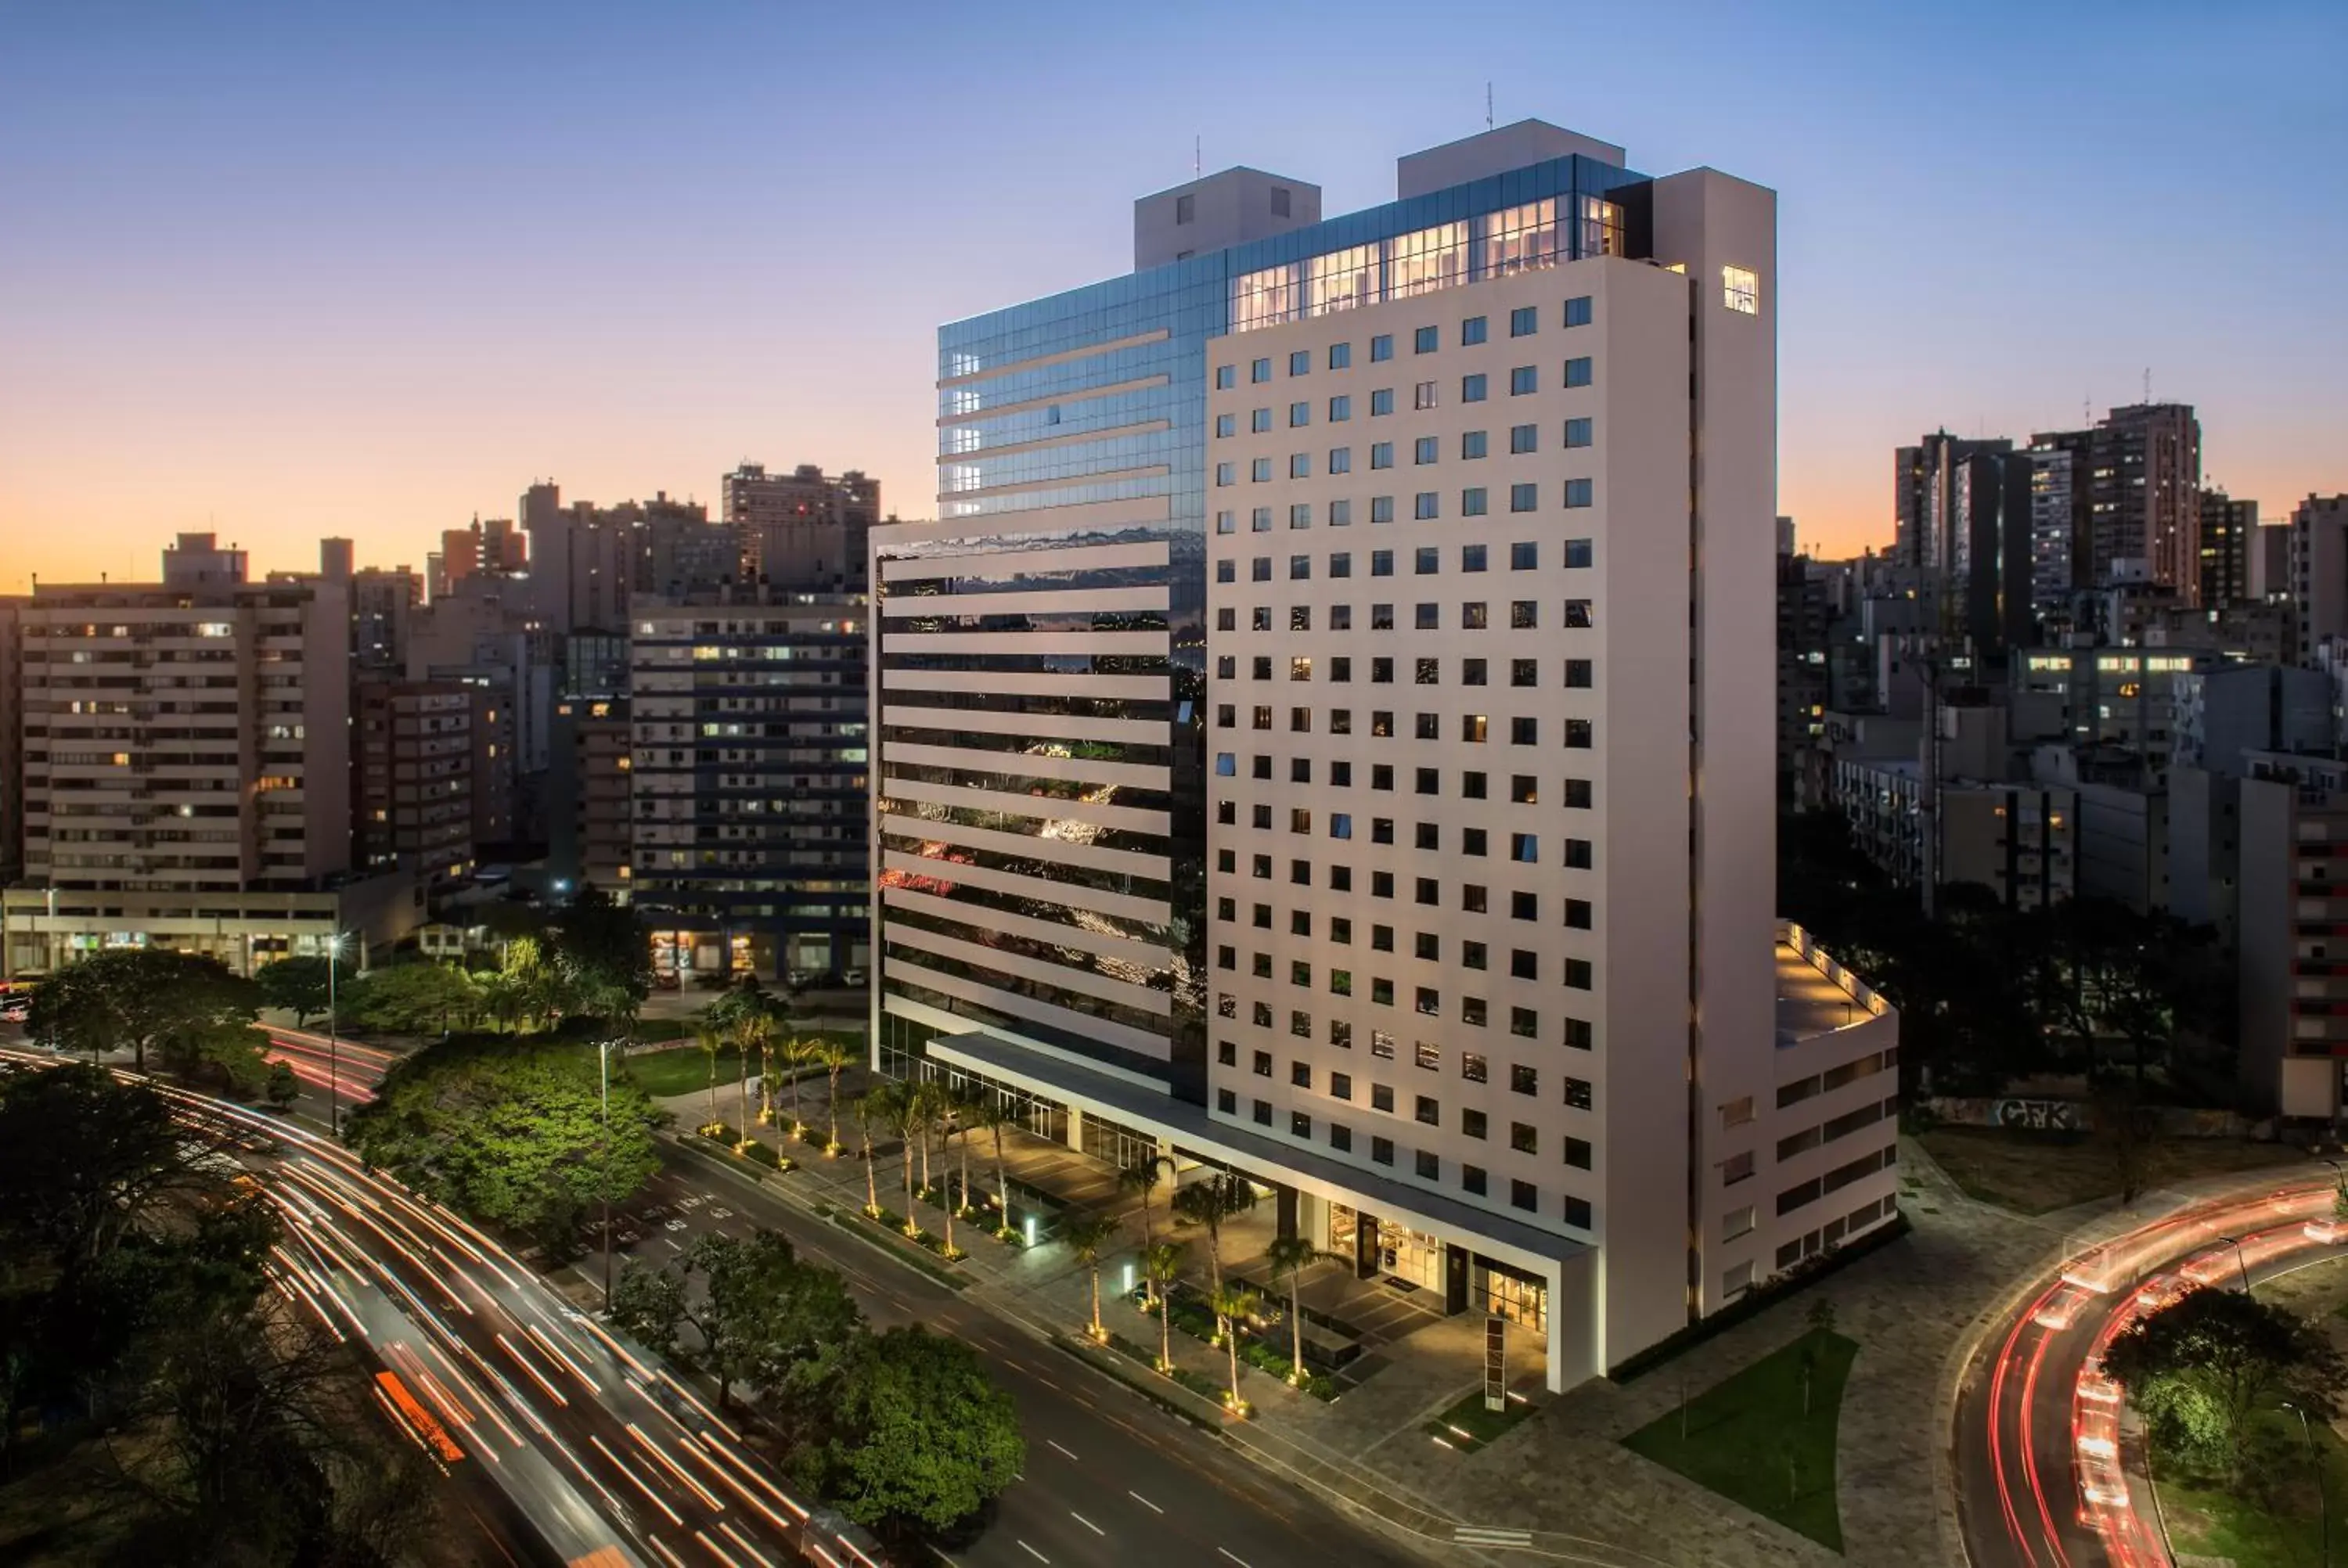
[{"x": 1329, "y": 734}]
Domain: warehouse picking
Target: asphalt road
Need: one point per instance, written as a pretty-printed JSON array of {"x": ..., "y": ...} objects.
[
  {"x": 1110, "y": 1478},
  {"x": 606, "y": 1458},
  {"x": 2044, "y": 1477}
]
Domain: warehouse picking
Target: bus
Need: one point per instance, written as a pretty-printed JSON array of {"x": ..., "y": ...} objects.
[{"x": 421, "y": 1424}]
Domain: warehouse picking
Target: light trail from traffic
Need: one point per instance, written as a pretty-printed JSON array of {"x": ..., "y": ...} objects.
[
  {"x": 583, "y": 1425},
  {"x": 2043, "y": 1462}
]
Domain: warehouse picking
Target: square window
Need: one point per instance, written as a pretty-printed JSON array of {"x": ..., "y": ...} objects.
[
  {"x": 1263, "y": 1064},
  {"x": 1473, "y": 388},
  {"x": 1578, "y": 672},
  {"x": 1580, "y": 1034},
  {"x": 1300, "y": 1073},
  {"x": 1340, "y": 1138},
  {"x": 1226, "y": 377},
  {"x": 1227, "y": 1102},
  {"x": 1428, "y": 560},
  {"x": 1471, "y": 786},
  {"x": 1425, "y": 340},
  {"x": 1524, "y": 672},
  {"x": 1576, "y": 372},
  {"x": 1472, "y": 1180},
  {"x": 1523, "y": 965},
  {"x": 1429, "y": 1057},
  {"x": 1425, "y": 450},
  {"x": 1524, "y": 379},
  {"x": 1523, "y": 1138},
  {"x": 1578, "y": 614},
  {"x": 1382, "y": 1097},
  {"x": 1471, "y": 332},
  {"x": 1524, "y": 731},
  {"x": 1259, "y": 471},
  {"x": 1472, "y": 445},
  {"x": 1341, "y": 409},
  {"x": 1300, "y": 568},
  {"x": 1577, "y": 974},
  {"x": 1577, "y": 1213},
  {"x": 1523, "y": 438},
  {"x": 1299, "y": 414},
  {"x": 1381, "y": 454},
  {"x": 1471, "y": 557},
  {"x": 1740, "y": 290},
  {"x": 1382, "y": 402},
  {"x": 1260, "y": 369},
  {"x": 1577, "y": 310},
  {"x": 1299, "y": 362},
  {"x": 1579, "y": 492},
  {"x": 1579, "y": 735},
  {"x": 1577, "y": 853},
  {"x": 1381, "y": 1151},
  {"x": 1525, "y": 848},
  {"x": 1300, "y": 465},
  {"x": 1578, "y": 914},
  {"x": 1524, "y": 320},
  {"x": 1577, "y": 553},
  {"x": 1226, "y": 424},
  {"x": 1300, "y": 1125},
  {"x": 1578, "y": 1093},
  {"x": 1381, "y": 509},
  {"x": 1430, "y": 1166},
  {"x": 1226, "y": 474},
  {"x": 1341, "y": 355},
  {"x": 1263, "y": 1113},
  {"x": 1260, "y": 520},
  {"x": 1381, "y": 347},
  {"x": 1523, "y": 790},
  {"x": 1471, "y": 501},
  {"x": 1523, "y": 1194},
  {"x": 1523, "y": 1080},
  {"x": 1474, "y": 616},
  {"x": 1475, "y": 900},
  {"x": 1524, "y": 497},
  {"x": 1429, "y": 1001},
  {"x": 1422, "y": 397},
  {"x": 1577, "y": 432},
  {"x": 1382, "y": 563},
  {"x": 1424, "y": 507},
  {"x": 1577, "y": 1153}
]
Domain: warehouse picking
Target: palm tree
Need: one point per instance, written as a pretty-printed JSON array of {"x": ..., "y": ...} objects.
[
  {"x": 929, "y": 1108},
  {"x": 712, "y": 1041},
  {"x": 835, "y": 1057},
  {"x": 903, "y": 1119},
  {"x": 966, "y": 1108},
  {"x": 798, "y": 1052},
  {"x": 1210, "y": 1202},
  {"x": 1162, "y": 1265},
  {"x": 1142, "y": 1176},
  {"x": 1292, "y": 1255},
  {"x": 1231, "y": 1304},
  {"x": 994, "y": 1115},
  {"x": 1089, "y": 1235},
  {"x": 865, "y": 1107}
]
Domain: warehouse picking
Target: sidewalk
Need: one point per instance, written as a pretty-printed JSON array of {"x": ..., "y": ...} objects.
[{"x": 1560, "y": 1482}]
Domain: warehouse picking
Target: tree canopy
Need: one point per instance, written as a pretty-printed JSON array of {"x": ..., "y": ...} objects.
[
  {"x": 142, "y": 997},
  {"x": 415, "y": 999},
  {"x": 132, "y": 1300},
  {"x": 2200, "y": 1368},
  {"x": 304, "y": 985},
  {"x": 515, "y": 1140},
  {"x": 924, "y": 1437}
]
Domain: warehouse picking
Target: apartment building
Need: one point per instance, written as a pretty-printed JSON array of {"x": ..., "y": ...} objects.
[
  {"x": 589, "y": 825},
  {"x": 2292, "y": 921},
  {"x": 747, "y": 764},
  {"x": 1328, "y": 734},
  {"x": 186, "y": 757},
  {"x": 806, "y": 529},
  {"x": 412, "y": 752},
  {"x": 2318, "y": 559}
]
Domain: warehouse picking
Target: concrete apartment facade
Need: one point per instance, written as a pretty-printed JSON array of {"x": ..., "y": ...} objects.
[
  {"x": 747, "y": 768},
  {"x": 413, "y": 757},
  {"x": 1336, "y": 744},
  {"x": 187, "y": 772},
  {"x": 807, "y": 530}
]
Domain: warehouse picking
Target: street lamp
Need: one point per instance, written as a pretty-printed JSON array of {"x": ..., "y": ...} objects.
[
  {"x": 603, "y": 1176},
  {"x": 333, "y": 1052},
  {"x": 2240, "y": 1261},
  {"x": 2322, "y": 1498}
]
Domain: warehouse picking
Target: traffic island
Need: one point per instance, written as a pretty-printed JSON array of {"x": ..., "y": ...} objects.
[{"x": 1765, "y": 1438}]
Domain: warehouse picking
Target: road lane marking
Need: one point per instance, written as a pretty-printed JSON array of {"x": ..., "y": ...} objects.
[
  {"x": 1145, "y": 1502},
  {"x": 1033, "y": 1552},
  {"x": 1087, "y": 1524},
  {"x": 1489, "y": 1535},
  {"x": 671, "y": 1242},
  {"x": 1233, "y": 1556},
  {"x": 1049, "y": 1384},
  {"x": 1057, "y": 1445}
]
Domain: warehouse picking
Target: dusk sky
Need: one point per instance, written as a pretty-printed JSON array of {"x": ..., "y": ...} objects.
[{"x": 286, "y": 272}]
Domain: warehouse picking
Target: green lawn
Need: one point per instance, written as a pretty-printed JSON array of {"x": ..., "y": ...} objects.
[
  {"x": 2274, "y": 1519},
  {"x": 1748, "y": 1440},
  {"x": 686, "y": 1068},
  {"x": 1468, "y": 1425}
]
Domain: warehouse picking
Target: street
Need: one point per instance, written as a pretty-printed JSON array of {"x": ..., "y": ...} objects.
[
  {"x": 2044, "y": 1475},
  {"x": 1110, "y": 1478}
]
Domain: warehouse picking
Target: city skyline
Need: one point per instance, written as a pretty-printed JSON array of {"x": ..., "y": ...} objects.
[{"x": 555, "y": 288}]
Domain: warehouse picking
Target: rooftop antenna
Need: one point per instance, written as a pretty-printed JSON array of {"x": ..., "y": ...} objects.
[
  {"x": 2147, "y": 384},
  {"x": 1198, "y": 167},
  {"x": 1488, "y": 105}
]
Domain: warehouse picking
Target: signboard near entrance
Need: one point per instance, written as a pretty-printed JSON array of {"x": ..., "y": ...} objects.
[{"x": 1496, "y": 1365}]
